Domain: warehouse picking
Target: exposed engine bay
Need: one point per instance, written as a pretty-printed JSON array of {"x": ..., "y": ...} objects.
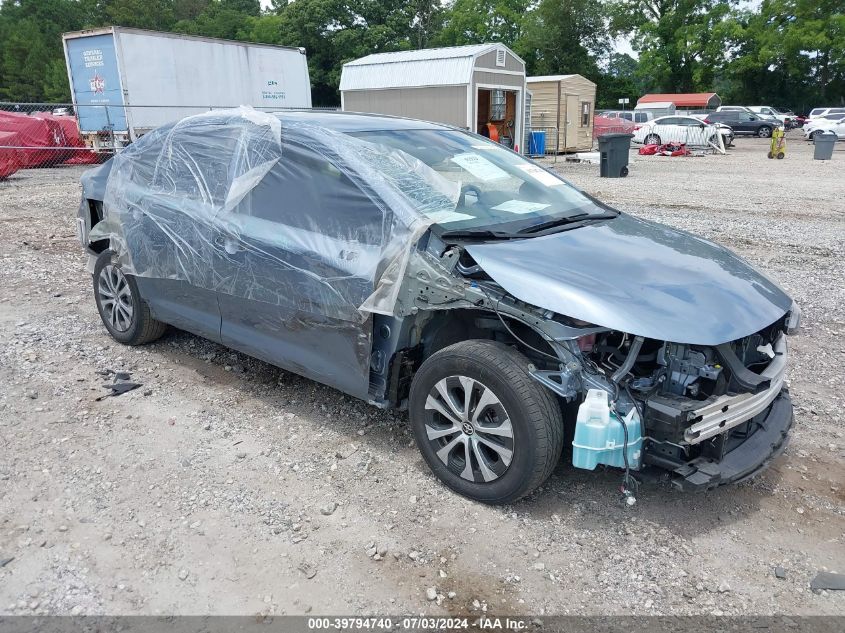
[{"x": 697, "y": 403}]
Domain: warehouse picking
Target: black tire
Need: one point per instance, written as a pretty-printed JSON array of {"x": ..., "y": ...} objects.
[
  {"x": 652, "y": 139},
  {"x": 141, "y": 328},
  {"x": 764, "y": 131},
  {"x": 814, "y": 134},
  {"x": 623, "y": 172},
  {"x": 533, "y": 414}
]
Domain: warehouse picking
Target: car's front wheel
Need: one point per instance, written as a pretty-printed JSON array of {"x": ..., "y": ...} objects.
[
  {"x": 485, "y": 427},
  {"x": 764, "y": 132},
  {"x": 652, "y": 139},
  {"x": 124, "y": 313}
]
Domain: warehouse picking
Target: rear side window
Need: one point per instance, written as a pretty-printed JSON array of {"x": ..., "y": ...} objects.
[
  {"x": 816, "y": 111},
  {"x": 306, "y": 191}
]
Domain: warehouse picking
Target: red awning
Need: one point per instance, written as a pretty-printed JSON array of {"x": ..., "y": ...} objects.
[{"x": 684, "y": 99}]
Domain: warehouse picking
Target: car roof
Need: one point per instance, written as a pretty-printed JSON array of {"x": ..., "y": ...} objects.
[{"x": 356, "y": 121}]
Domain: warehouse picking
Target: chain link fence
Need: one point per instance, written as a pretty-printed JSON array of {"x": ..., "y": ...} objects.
[
  {"x": 542, "y": 141},
  {"x": 45, "y": 135}
]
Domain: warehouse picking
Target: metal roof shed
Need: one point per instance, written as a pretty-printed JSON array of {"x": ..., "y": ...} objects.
[
  {"x": 563, "y": 104},
  {"x": 466, "y": 86},
  {"x": 686, "y": 100}
]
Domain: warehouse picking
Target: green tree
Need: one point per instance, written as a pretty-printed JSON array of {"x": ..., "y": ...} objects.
[
  {"x": 618, "y": 80},
  {"x": 156, "y": 15},
  {"x": 681, "y": 43},
  {"x": 31, "y": 44},
  {"x": 478, "y": 21},
  {"x": 564, "y": 36}
]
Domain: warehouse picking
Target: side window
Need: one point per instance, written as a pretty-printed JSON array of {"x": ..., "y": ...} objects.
[
  {"x": 669, "y": 120},
  {"x": 586, "y": 106},
  {"x": 641, "y": 117},
  {"x": 306, "y": 191}
]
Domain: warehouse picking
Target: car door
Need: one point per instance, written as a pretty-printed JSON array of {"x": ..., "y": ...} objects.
[
  {"x": 693, "y": 130},
  {"x": 298, "y": 258},
  {"x": 171, "y": 251},
  {"x": 746, "y": 123},
  {"x": 166, "y": 229},
  {"x": 669, "y": 129}
]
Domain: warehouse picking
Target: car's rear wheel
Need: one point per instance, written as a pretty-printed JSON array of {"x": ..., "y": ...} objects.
[
  {"x": 652, "y": 139},
  {"x": 484, "y": 426},
  {"x": 123, "y": 311},
  {"x": 764, "y": 132}
]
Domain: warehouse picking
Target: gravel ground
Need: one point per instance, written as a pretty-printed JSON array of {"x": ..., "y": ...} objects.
[{"x": 227, "y": 486}]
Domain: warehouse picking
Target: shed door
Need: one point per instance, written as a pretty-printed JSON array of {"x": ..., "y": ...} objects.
[{"x": 572, "y": 120}]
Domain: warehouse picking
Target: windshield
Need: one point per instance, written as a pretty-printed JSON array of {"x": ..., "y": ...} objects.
[{"x": 496, "y": 188}]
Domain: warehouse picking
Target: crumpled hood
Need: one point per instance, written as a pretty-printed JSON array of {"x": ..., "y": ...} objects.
[{"x": 638, "y": 277}]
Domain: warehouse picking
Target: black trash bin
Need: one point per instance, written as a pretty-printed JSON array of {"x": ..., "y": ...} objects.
[{"x": 614, "y": 149}]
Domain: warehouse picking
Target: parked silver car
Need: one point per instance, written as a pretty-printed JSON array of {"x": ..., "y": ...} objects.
[{"x": 417, "y": 265}]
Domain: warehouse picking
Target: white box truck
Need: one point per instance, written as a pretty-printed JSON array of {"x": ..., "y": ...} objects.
[{"x": 126, "y": 82}]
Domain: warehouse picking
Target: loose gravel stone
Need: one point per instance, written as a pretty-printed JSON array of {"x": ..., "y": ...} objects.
[{"x": 169, "y": 457}]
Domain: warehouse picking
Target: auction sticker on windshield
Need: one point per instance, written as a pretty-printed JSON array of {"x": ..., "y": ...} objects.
[
  {"x": 479, "y": 166},
  {"x": 444, "y": 216},
  {"x": 538, "y": 173},
  {"x": 520, "y": 206}
]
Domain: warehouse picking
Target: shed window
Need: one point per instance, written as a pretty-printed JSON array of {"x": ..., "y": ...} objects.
[
  {"x": 500, "y": 57},
  {"x": 585, "y": 113},
  {"x": 497, "y": 105}
]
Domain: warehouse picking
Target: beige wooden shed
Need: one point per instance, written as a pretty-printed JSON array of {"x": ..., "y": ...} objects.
[
  {"x": 472, "y": 87},
  {"x": 563, "y": 104}
]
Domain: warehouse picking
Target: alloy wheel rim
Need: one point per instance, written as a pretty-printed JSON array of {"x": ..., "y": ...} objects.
[
  {"x": 115, "y": 298},
  {"x": 469, "y": 429}
]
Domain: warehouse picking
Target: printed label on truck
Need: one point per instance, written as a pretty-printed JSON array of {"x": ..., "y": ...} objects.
[{"x": 95, "y": 82}]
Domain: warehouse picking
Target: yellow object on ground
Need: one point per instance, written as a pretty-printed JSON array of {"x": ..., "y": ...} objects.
[{"x": 778, "y": 147}]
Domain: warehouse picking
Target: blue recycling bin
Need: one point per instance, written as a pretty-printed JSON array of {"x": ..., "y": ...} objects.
[{"x": 537, "y": 144}]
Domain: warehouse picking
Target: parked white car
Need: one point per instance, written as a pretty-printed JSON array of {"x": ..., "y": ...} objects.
[
  {"x": 815, "y": 113},
  {"x": 726, "y": 131},
  {"x": 683, "y": 129},
  {"x": 784, "y": 116},
  {"x": 821, "y": 126}
]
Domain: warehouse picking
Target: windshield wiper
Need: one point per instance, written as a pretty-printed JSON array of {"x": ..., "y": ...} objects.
[
  {"x": 569, "y": 219},
  {"x": 486, "y": 234}
]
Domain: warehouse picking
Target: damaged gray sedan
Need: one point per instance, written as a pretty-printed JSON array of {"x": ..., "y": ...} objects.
[{"x": 418, "y": 266}]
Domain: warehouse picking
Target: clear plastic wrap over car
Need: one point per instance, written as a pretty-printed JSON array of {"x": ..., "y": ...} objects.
[{"x": 182, "y": 192}]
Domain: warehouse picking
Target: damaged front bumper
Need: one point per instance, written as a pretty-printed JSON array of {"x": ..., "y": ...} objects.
[{"x": 747, "y": 450}]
